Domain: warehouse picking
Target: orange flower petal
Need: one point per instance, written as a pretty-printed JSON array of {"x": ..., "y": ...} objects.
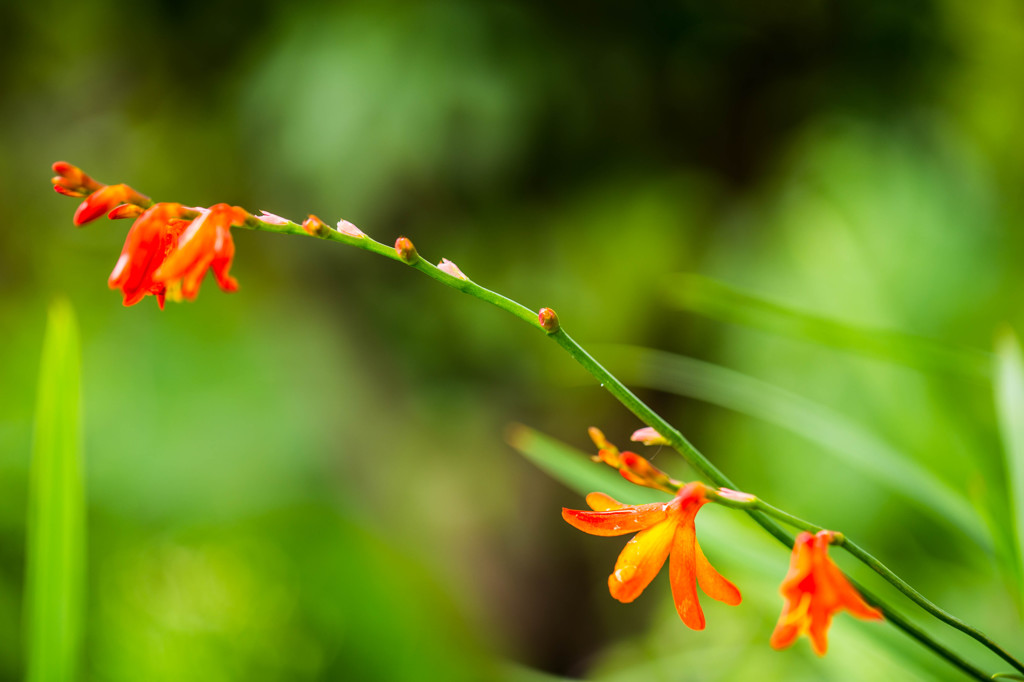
[
  {"x": 602, "y": 502},
  {"x": 713, "y": 583},
  {"x": 613, "y": 522},
  {"x": 682, "y": 572},
  {"x": 640, "y": 560}
]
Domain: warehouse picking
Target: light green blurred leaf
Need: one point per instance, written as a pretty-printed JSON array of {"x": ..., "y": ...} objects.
[
  {"x": 853, "y": 445},
  {"x": 720, "y": 301},
  {"x": 1009, "y": 389},
  {"x": 56, "y": 510}
]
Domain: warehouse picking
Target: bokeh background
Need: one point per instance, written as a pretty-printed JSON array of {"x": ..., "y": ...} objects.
[{"x": 793, "y": 227}]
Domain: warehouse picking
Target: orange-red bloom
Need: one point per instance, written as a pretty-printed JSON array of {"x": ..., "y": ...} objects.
[
  {"x": 151, "y": 238},
  {"x": 205, "y": 244},
  {"x": 169, "y": 247},
  {"x": 666, "y": 531},
  {"x": 631, "y": 466},
  {"x": 99, "y": 198},
  {"x": 815, "y": 590}
]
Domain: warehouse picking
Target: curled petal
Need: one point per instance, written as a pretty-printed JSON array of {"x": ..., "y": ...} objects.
[
  {"x": 602, "y": 502},
  {"x": 712, "y": 582},
  {"x": 628, "y": 519},
  {"x": 640, "y": 560},
  {"x": 844, "y": 595}
]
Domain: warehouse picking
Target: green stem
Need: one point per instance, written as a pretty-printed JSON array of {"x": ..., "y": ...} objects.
[
  {"x": 919, "y": 599},
  {"x": 760, "y": 512},
  {"x": 878, "y": 567}
]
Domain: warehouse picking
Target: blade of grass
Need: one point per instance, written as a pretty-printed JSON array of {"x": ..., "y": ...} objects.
[
  {"x": 1009, "y": 396},
  {"x": 720, "y": 301},
  {"x": 854, "y": 445},
  {"x": 56, "y": 510}
]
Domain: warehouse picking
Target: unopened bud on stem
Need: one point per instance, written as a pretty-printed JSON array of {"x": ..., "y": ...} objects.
[
  {"x": 548, "y": 320},
  {"x": 314, "y": 226},
  {"x": 405, "y": 250}
]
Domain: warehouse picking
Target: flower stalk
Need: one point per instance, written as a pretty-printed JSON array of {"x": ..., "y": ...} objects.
[{"x": 176, "y": 265}]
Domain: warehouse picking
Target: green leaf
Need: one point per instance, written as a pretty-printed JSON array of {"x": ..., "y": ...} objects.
[
  {"x": 56, "y": 511},
  {"x": 853, "y": 445},
  {"x": 1008, "y": 676},
  {"x": 1009, "y": 389},
  {"x": 720, "y": 301}
]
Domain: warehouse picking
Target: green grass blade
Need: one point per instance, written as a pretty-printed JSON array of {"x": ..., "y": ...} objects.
[
  {"x": 848, "y": 442},
  {"x": 56, "y": 509},
  {"x": 720, "y": 301},
  {"x": 1009, "y": 389}
]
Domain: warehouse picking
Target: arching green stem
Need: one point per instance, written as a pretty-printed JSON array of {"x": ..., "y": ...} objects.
[{"x": 759, "y": 511}]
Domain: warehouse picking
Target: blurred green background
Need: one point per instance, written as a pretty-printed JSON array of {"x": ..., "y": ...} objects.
[{"x": 310, "y": 480}]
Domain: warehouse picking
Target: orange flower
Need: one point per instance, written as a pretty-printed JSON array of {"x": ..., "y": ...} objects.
[
  {"x": 631, "y": 466},
  {"x": 99, "y": 198},
  {"x": 815, "y": 590},
  {"x": 151, "y": 238},
  {"x": 205, "y": 244},
  {"x": 666, "y": 531},
  {"x": 107, "y": 199}
]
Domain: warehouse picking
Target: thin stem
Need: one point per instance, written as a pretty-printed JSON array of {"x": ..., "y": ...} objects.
[
  {"x": 760, "y": 512},
  {"x": 920, "y": 635},
  {"x": 872, "y": 562},
  {"x": 919, "y": 599}
]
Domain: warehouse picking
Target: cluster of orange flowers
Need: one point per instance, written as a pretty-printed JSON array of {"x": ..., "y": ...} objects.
[
  {"x": 169, "y": 248},
  {"x": 814, "y": 589}
]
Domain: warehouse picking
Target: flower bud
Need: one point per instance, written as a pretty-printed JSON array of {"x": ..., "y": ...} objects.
[
  {"x": 126, "y": 211},
  {"x": 314, "y": 226},
  {"x": 548, "y": 320},
  {"x": 72, "y": 182},
  {"x": 452, "y": 269},
  {"x": 104, "y": 200},
  {"x": 345, "y": 227},
  {"x": 648, "y": 436},
  {"x": 271, "y": 219},
  {"x": 405, "y": 250}
]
